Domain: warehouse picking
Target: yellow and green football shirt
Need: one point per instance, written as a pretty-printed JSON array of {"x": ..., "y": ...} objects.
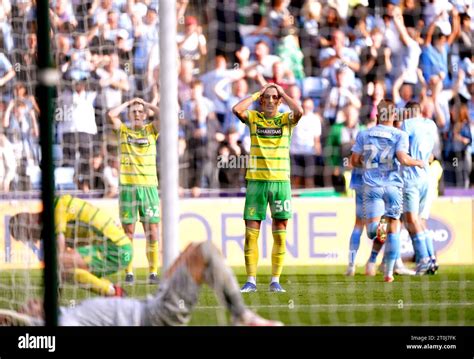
[
  {"x": 85, "y": 224},
  {"x": 138, "y": 156},
  {"x": 270, "y": 147}
]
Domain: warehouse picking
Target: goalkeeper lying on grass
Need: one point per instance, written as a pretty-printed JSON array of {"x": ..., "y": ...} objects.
[{"x": 172, "y": 305}]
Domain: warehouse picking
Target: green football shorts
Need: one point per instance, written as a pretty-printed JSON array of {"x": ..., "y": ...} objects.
[
  {"x": 143, "y": 200},
  {"x": 106, "y": 258},
  {"x": 262, "y": 193}
]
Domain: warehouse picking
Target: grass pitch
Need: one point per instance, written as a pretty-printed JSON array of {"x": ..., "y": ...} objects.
[{"x": 319, "y": 295}]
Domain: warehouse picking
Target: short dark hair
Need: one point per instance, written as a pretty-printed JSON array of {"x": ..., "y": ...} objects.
[
  {"x": 413, "y": 105},
  {"x": 385, "y": 110},
  {"x": 270, "y": 86}
]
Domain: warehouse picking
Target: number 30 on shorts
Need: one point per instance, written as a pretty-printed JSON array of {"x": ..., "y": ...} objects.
[{"x": 279, "y": 206}]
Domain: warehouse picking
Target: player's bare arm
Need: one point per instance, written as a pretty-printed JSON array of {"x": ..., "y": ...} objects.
[
  {"x": 114, "y": 114},
  {"x": 156, "y": 113},
  {"x": 406, "y": 160},
  {"x": 356, "y": 160},
  {"x": 296, "y": 109},
  {"x": 240, "y": 108}
]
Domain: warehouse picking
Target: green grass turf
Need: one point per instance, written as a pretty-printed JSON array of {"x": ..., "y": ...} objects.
[{"x": 319, "y": 295}]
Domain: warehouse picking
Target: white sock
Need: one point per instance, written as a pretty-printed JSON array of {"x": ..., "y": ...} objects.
[
  {"x": 275, "y": 280},
  {"x": 252, "y": 280}
]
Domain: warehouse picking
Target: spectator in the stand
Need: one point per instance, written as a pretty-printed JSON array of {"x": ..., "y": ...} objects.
[
  {"x": 97, "y": 182},
  {"x": 124, "y": 51},
  {"x": 337, "y": 56},
  {"x": 391, "y": 38},
  {"x": 290, "y": 52},
  {"x": 338, "y": 147},
  {"x": 20, "y": 93},
  {"x": 263, "y": 63},
  {"x": 340, "y": 96},
  {"x": 62, "y": 16},
  {"x": 437, "y": 12},
  {"x": 62, "y": 52},
  {"x": 402, "y": 92},
  {"x": 7, "y": 73},
  {"x": 375, "y": 59},
  {"x": 434, "y": 57},
  {"x": 112, "y": 26},
  {"x": 192, "y": 42},
  {"x": 411, "y": 48},
  {"x": 457, "y": 165},
  {"x": 6, "y": 30},
  {"x": 240, "y": 89},
  {"x": 412, "y": 16},
  {"x": 466, "y": 37},
  {"x": 282, "y": 76},
  {"x": 78, "y": 128},
  {"x": 374, "y": 94},
  {"x": 305, "y": 150},
  {"x": 197, "y": 112},
  {"x": 145, "y": 36},
  {"x": 113, "y": 82},
  {"x": 278, "y": 17},
  {"x": 231, "y": 161},
  {"x": 21, "y": 130},
  {"x": 7, "y": 163},
  {"x": 27, "y": 59},
  {"x": 99, "y": 11},
  {"x": 111, "y": 177},
  {"x": 211, "y": 78},
  {"x": 310, "y": 18},
  {"x": 185, "y": 79},
  {"x": 331, "y": 21},
  {"x": 81, "y": 59}
]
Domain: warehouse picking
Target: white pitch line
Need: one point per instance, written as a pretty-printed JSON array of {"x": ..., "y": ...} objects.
[
  {"x": 358, "y": 305},
  {"x": 378, "y": 283}
]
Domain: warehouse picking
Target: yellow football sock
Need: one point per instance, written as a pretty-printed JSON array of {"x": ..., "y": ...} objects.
[
  {"x": 97, "y": 285},
  {"x": 129, "y": 268},
  {"x": 152, "y": 255},
  {"x": 278, "y": 251},
  {"x": 251, "y": 250}
]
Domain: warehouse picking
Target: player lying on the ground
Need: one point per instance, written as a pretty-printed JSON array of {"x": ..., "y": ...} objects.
[
  {"x": 90, "y": 244},
  {"x": 172, "y": 305}
]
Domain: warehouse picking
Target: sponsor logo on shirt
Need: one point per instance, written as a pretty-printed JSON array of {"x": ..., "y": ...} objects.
[
  {"x": 143, "y": 141},
  {"x": 382, "y": 134},
  {"x": 269, "y": 131}
]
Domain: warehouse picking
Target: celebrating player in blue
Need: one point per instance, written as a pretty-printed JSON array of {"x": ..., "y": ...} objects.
[
  {"x": 377, "y": 151},
  {"x": 422, "y": 133}
]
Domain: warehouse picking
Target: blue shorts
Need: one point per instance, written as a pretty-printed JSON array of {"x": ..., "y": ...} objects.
[
  {"x": 414, "y": 196},
  {"x": 359, "y": 197},
  {"x": 379, "y": 201}
]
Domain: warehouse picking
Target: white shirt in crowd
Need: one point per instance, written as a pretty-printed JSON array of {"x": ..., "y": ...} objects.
[
  {"x": 78, "y": 112},
  {"x": 302, "y": 139}
]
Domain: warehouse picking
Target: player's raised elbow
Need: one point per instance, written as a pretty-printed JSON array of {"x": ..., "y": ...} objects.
[{"x": 239, "y": 113}]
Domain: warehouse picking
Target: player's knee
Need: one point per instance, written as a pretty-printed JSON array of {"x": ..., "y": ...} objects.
[{"x": 372, "y": 230}]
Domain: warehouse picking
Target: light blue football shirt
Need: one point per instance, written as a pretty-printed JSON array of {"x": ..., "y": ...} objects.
[
  {"x": 378, "y": 147},
  {"x": 421, "y": 134}
]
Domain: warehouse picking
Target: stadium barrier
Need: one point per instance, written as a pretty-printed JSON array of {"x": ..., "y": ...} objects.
[{"x": 318, "y": 233}]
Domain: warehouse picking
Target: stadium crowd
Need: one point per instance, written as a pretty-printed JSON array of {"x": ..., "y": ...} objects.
[{"x": 338, "y": 58}]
